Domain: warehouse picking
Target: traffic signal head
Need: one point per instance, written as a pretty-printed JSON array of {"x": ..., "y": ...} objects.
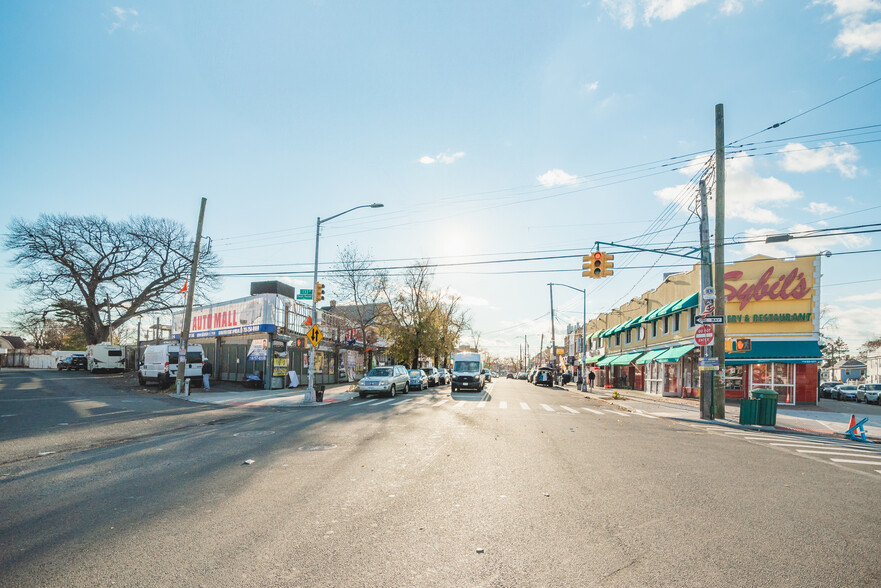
[
  {"x": 608, "y": 265},
  {"x": 300, "y": 342},
  {"x": 738, "y": 345},
  {"x": 593, "y": 265},
  {"x": 318, "y": 292}
]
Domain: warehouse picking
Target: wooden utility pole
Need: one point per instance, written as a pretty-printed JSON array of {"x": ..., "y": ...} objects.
[
  {"x": 706, "y": 402},
  {"x": 718, "y": 404},
  {"x": 188, "y": 312},
  {"x": 553, "y": 340}
]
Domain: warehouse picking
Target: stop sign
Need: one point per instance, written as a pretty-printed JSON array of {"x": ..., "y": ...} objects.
[{"x": 703, "y": 336}]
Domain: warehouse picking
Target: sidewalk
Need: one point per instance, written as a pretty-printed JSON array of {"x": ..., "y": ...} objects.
[
  {"x": 231, "y": 394},
  {"x": 813, "y": 420}
]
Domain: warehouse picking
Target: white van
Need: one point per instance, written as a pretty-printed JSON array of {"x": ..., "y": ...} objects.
[
  {"x": 160, "y": 364},
  {"x": 104, "y": 357},
  {"x": 468, "y": 372}
]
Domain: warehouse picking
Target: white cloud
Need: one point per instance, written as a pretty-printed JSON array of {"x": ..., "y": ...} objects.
[
  {"x": 122, "y": 17},
  {"x": 854, "y": 324},
  {"x": 442, "y": 158},
  {"x": 624, "y": 11},
  {"x": 556, "y": 177},
  {"x": 860, "y": 26},
  {"x": 667, "y": 9},
  {"x": 862, "y": 297},
  {"x": 730, "y": 7},
  {"x": 841, "y": 157},
  {"x": 747, "y": 195},
  {"x": 591, "y": 87},
  {"x": 821, "y": 208}
]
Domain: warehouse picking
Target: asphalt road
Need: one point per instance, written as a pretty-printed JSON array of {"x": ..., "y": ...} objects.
[{"x": 521, "y": 486}]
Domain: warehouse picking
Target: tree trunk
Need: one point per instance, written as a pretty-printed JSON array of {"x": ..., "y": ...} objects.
[{"x": 415, "y": 364}]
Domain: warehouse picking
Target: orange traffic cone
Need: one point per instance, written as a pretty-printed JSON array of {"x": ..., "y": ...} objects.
[{"x": 853, "y": 422}]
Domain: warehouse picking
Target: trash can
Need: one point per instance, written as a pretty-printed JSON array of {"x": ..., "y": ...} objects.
[
  {"x": 319, "y": 394},
  {"x": 749, "y": 411},
  {"x": 767, "y": 406}
]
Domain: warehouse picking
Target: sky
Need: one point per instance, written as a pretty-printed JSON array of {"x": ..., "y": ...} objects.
[{"x": 488, "y": 130}]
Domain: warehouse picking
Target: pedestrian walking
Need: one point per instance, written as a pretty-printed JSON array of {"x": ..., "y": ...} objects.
[
  {"x": 591, "y": 376},
  {"x": 206, "y": 373}
]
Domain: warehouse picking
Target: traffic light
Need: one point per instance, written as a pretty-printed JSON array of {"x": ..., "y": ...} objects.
[
  {"x": 593, "y": 265},
  {"x": 608, "y": 265},
  {"x": 738, "y": 345},
  {"x": 319, "y": 292},
  {"x": 300, "y": 343}
]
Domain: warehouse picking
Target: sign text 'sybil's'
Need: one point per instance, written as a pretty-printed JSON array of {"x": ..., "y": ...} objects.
[{"x": 791, "y": 285}]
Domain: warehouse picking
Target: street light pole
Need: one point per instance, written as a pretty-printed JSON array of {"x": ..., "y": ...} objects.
[
  {"x": 583, "y": 329},
  {"x": 309, "y": 396}
]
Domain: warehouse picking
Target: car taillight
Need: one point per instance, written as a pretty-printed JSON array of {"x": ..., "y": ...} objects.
[{"x": 166, "y": 367}]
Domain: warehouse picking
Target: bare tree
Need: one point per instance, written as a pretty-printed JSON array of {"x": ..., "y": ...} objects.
[
  {"x": 358, "y": 281},
  {"x": 80, "y": 265},
  {"x": 451, "y": 322},
  {"x": 406, "y": 319}
]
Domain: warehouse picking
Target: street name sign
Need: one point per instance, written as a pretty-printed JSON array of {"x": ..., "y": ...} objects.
[
  {"x": 706, "y": 364},
  {"x": 703, "y": 336},
  {"x": 710, "y": 320},
  {"x": 304, "y": 294},
  {"x": 314, "y": 336}
]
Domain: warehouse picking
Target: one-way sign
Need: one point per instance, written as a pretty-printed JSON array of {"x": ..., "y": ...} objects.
[{"x": 710, "y": 320}]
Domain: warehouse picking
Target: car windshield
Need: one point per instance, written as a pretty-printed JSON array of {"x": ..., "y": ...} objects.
[
  {"x": 415, "y": 373},
  {"x": 466, "y": 366},
  {"x": 851, "y": 388},
  {"x": 380, "y": 372},
  {"x": 873, "y": 386}
]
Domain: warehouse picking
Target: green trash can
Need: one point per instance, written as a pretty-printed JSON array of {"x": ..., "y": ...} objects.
[
  {"x": 767, "y": 406},
  {"x": 749, "y": 411}
]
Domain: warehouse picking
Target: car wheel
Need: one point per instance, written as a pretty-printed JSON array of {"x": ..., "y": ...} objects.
[
  {"x": 141, "y": 379},
  {"x": 407, "y": 388},
  {"x": 392, "y": 391}
]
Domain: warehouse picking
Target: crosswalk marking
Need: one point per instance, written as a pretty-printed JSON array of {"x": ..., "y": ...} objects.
[
  {"x": 591, "y": 410},
  {"x": 642, "y": 414},
  {"x": 401, "y": 401},
  {"x": 441, "y": 402},
  {"x": 368, "y": 401},
  {"x": 569, "y": 409},
  {"x": 503, "y": 404},
  {"x": 860, "y": 461},
  {"x": 383, "y": 401},
  {"x": 842, "y": 452},
  {"x": 421, "y": 401},
  {"x": 459, "y": 404},
  {"x": 481, "y": 404},
  {"x": 616, "y": 413},
  {"x": 524, "y": 406},
  {"x": 547, "y": 408}
]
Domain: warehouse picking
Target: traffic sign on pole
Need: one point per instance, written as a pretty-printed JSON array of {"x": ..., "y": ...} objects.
[
  {"x": 314, "y": 336},
  {"x": 703, "y": 336}
]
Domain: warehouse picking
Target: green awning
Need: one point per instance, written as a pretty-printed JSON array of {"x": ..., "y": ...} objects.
[
  {"x": 606, "y": 360},
  {"x": 777, "y": 351},
  {"x": 625, "y": 358},
  {"x": 596, "y": 334},
  {"x": 650, "y": 356},
  {"x": 659, "y": 312},
  {"x": 685, "y": 303},
  {"x": 593, "y": 359},
  {"x": 673, "y": 354}
]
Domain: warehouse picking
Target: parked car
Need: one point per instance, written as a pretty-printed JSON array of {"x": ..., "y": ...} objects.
[
  {"x": 468, "y": 372},
  {"x": 868, "y": 393},
  {"x": 443, "y": 376},
  {"x": 487, "y": 375},
  {"x": 530, "y": 375},
  {"x": 418, "y": 380},
  {"x": 72, "y": 362},
  {"x": 543, "y": 377},
  {"x": 160, "y": 363},
  {"x": 846, "y": 392},
  {"x": 521, "y": 376},
  {"x": 385, "y": 380},
  {"x": 826, "y": 389},
  {"x": 510, "y": 376},
  {"x": 433, "y": 376}
]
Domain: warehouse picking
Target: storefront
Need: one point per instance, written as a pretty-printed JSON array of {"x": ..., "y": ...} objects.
[{"x": 771, "y": 303}]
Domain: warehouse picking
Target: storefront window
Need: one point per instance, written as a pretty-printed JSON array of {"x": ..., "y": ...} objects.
[
  {"x": 761, "y": 375},
  {"x": 734, "y": 377},
  {"x": 779, "y": 377}
]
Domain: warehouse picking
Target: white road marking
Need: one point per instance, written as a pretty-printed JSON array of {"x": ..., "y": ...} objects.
[
  {"x": 547, "y": 408},
  {"x": 855, "y": 461},
  {"x": 616, "y": 413},
  {"x": 441, "y": 402},
  {"x": 569, "y": 409},
  {"x": 383, "y": 401},
  {"x": 642, "y": 414},
  {"x": 841, "y": 453},
  {"x": 481, "y": 404},
  {"x": 591, "y": 410},
  {"x": 879, "y": 471},
  {"x": 401, "y": 402},
  {"x": 421, "y": 401},
  {"x": 503, "y": 404},
  {"x": 459, "y": 404},
  {"x": 367, "y": 402},
  {"x": 524, "y": 406}
]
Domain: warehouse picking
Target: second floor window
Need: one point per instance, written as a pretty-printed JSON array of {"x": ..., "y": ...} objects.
[
  {"x": 627, "y": 337},
  {"x": 676, "y": 322},
  {"x": 655, "y": 329},
  {"x": 666, "y": 324}
]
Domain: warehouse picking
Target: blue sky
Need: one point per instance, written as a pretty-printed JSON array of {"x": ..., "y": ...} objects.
[{"x": 484, "y": 128}]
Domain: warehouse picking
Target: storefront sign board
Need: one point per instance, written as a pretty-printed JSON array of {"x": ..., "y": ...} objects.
[{"x": 236, "y": 317}]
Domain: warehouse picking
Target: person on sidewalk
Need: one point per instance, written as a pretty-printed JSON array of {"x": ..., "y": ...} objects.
[
  {"x": 206, "y": 374},
  {"x": 591, "y": 376}
]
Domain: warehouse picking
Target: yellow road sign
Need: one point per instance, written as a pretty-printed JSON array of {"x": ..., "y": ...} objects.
[{"x": 314, "y": 336}]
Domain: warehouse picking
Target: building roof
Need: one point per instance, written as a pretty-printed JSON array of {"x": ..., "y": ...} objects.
[
  {"x": 12, "y": 342},
  {"x": 850, "y": 362}
]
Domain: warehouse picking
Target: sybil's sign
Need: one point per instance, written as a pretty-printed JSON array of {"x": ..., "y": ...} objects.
[{"x": 766, "y": 295}]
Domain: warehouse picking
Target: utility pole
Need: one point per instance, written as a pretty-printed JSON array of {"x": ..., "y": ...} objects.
[
  {"x": 109, "y": 325},
  {"x": 521, "y": 357},
  {"x": 526, "y": 352},
  {"x": 138, "y": 348},
  {"x": 541, "y": 350},
  {"x": 553, "y": 340},
  {"x": 188, "y": 312},
  {"x": 706, "y": 403},
  {"x": 718, "y": 407}
]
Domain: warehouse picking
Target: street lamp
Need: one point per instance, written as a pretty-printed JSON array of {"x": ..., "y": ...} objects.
[
  {"x": 583, "y": 330},
  {"x": 310, "y": 391}
]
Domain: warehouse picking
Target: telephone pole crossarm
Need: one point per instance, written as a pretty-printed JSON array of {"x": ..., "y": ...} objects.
[{"x": 689, "y": 255}]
